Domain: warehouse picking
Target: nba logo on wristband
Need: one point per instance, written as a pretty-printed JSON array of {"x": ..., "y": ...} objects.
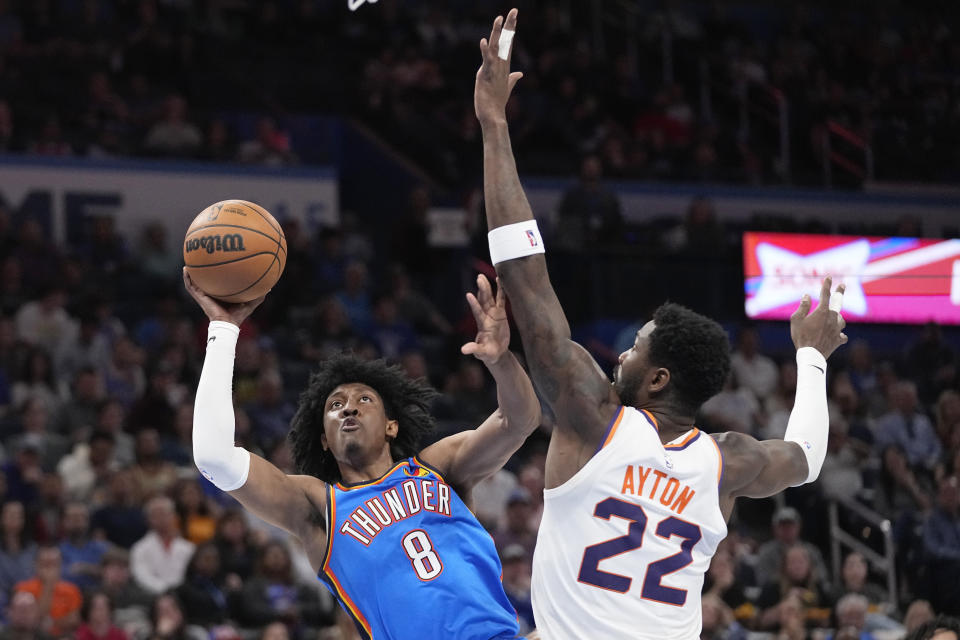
[{"x": 532, "y": 237}]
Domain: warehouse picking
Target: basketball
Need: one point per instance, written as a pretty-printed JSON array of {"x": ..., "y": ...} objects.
[{"x": 235, "y": 251}]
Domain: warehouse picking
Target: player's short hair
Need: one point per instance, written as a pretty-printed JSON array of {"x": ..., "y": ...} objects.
[
  {"x": 404, "y": 400},
  {"x": 929, "y": 629},
  {"x": 695, "y": 349}
]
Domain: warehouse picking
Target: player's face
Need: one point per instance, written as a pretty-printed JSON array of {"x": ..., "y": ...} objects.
[
  {"x": 629, "y": 375},
  {"x": 355, "y": 421}
]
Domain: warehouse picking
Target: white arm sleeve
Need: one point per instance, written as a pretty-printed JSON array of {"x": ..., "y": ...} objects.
[
  {"x": 809, "y": 423},
  {"x": 214, "y": 453}
]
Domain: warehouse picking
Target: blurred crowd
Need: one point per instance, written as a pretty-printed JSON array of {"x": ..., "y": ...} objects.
[
  {"x": 217, "y": 79},
  {"x": 107, "y": 529}
]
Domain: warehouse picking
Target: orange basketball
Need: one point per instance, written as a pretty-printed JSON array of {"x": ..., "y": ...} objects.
[{"x": 235, "y": 251}]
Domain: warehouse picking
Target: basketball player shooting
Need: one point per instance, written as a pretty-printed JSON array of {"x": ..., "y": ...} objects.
[
  {"x": 636, "y": 498},
  {"x": 387, "y": 529}
]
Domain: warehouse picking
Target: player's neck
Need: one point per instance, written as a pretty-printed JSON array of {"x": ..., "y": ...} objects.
[
  {"x": 670, "y": 425},
  {"x": 366, "y": 469}
]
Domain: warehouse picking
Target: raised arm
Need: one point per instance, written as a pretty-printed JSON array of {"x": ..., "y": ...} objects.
[
  {"x": 568, "y": 380},
  {"x": 469, "y": 457},
  {"x": 757, "y": 469},
  {"x": 293, "y": 503}
]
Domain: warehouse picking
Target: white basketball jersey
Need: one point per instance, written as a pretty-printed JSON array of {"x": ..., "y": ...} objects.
[{"x": 624, "y": 544}]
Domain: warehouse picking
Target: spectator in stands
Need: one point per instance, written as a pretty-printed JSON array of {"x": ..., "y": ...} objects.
[
  {"x": 47, "y": 510},
  {"x": 798, "y": 577},
  {"x": 159, "y": 559},
  {"x": 854, "y": 577},
  {"x": 414, "y": 307},
  {"x": 151, "y": 474},
  {"x": 195, "y": 512},
  {"x": 900, "y": 491},
  {"x": 786, "y": 534},
  {"x": 177, "y": 449},
  {"x": 589, "y": 212},
  {"x": 24, "y": 619},
  {"x": 931, "y": 363},
  {"x": 516, "y": 583},
  {"x": 271, "y": 413},
  {"x": 947, "y": 417},
  {"x": 89, "y": 466},
  {"x": 48, "y": 586},
  {"x": 131, "y": 604},
  {"x": 723, "y": 582},
  {"x": 272, "y": 594},
  {"x": 330, "y": 331},
  {"x": 851, "y": 613},
  {"x": 168, "y": 622},
  {"x": 23, "y": 473},
  {"x": 718, "y": 620},
  {"x": 355, "y": 295},
  {"x": 270, "y": 146},
  {"x": 156, "y": 406},
  {"x": 78, "y": 416},
  {"x": 97, "y": 616},
  {"x": 45, "y": 323},
  {"x": 275, "y": 631},
  {"x": 941, "y": 543},
  {"x": 841, "y": 475},
  {"x": 391, "y": 335},
  {"x": 234, "y": 542},
  {"x": 906, "y": 426},
  {"x": 517, "y": 529},
  {"x": 123, "y": 376},
  {"x": 204, "y": 593},
  {"x": 753, "y": 370},
  {"x": 35, "y": 432},
  {"x": 940, "y": 628},
  {"x": 111, "y": 418},
  {"x": 918, "y": 614},
  {"x": 735, "y": 408},
  {"x": 36, "y": 382},
  {"x": 120, "y": 520},
  {"x": 17, "y": 548},
  {"x": 81, "y": 554},
  {"x": 174, "y": 134},
  {"x": 51, "y": 140}
]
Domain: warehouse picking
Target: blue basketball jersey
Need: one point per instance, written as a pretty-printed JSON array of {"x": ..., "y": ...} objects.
[{"x": 406, "y": 559}]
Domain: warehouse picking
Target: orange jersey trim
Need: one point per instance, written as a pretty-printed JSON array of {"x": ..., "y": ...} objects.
[
  {"x": 720, "y": 454},
  {"x": 341, "y": 592},
  {"x": 429, "y": 468},
  {"x": 613, "y": 427},
  {"x": 652, "y": 420},
  {"x": 690, "y": 438}
]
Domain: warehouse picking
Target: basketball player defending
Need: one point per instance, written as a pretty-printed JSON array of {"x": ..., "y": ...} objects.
[
  {"x": 636, "y": 497},
  {"x": 387, "y": 529}
]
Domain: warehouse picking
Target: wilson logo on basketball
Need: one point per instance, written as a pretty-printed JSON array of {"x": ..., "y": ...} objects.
[{"x": 226, "y": 242}]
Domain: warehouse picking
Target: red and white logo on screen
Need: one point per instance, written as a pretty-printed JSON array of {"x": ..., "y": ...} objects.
[{"x": 786, "y": 275}]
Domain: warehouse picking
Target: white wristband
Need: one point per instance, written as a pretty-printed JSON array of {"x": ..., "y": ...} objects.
[
  {"x": 506, "y": 39},
  {"x": 516, "y": 240}
]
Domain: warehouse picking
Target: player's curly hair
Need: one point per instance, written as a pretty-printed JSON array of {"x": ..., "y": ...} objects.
[
  {"x": 929, "y": 629},
  {"x": 695, "y": 349},
  {"x": 406, "y": 401}
]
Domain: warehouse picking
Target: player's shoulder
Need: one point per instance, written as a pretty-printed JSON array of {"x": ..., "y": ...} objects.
[{"x": 739, "y": 449}]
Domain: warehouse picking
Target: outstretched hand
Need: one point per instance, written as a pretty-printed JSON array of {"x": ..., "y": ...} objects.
[
  {"x": 493, "y": 330},
  {"x": 494, "y": 80},
  {"x": 234, "y": 313},
  {"x": 822, "y": 329}
]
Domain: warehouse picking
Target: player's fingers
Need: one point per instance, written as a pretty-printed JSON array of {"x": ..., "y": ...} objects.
[
  {"x": 484, "y": 291},
  {"x": 841, "y": 321},
  {"x": 825, "y": 287},
  {"x": 843, "y": 338},
  {"x": 511, "y": 21},
  {"x": 513, "y": 80},
  {"x": 484, "y": 46},
  {"x": 475, "y": 307},
  {"x": 469, "y": 348},
  {"x": 803, "y": 309},
  {"x": 495, "y": 35},
  {"x": 501, "y": 296}
]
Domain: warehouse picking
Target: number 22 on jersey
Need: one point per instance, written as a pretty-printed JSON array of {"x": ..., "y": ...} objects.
[{"x": 652, "y": 589}]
